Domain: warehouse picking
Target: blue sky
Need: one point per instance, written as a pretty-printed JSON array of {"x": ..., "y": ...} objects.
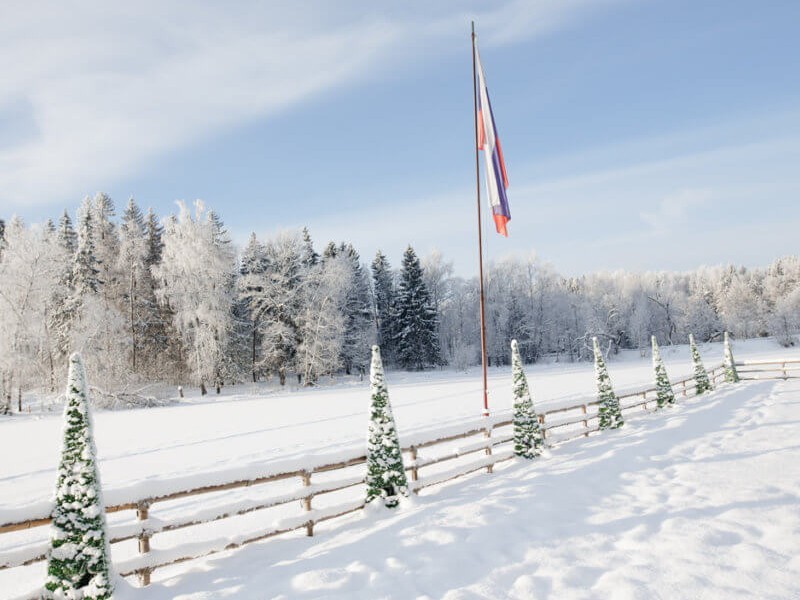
[{"x": 637, "y": 134}]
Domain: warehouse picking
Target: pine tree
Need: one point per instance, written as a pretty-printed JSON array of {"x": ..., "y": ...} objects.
[
  {"x": 610, "y": 413},
  {"x": 417, "y": 342},
  {"x": 731, "y": 374},
  {"x": 383, "y": 286},
  {"x": 131, "y": 263},
  {"x": 359, "y": 327},
  {"x": 79, "y": 561},
  {"x": 702, "y": 383},
  {"x": 528, "y": 439},
  {"x": 664, "y": 393},
  {"x": 85, "y": 269},
  {"x": 66, "y": 233},
  {"x": 386, "y": 476}
]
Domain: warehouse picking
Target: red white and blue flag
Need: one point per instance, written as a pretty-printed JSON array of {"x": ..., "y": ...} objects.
[{"x": 489, "y": 142}]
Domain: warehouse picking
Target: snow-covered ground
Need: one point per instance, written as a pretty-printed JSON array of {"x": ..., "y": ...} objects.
[
  {"x": 633, "y": 511},
  {"x": 700, "y": 501}
]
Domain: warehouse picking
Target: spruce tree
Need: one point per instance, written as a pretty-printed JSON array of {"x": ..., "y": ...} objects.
[
  {"x": 417, "y": 342},
  {"x": 528, "y": 439},
  {"x": 731, "y": 374},
  {"x": 609, "y": 412},
  {"x": 702, "y": 383},
  {"x": 359, "y": 326},
  {"x": 383, "y": 286},
  {"x": 79, "y": 561},
  {"x": 664, "y": 393},
  {"x": 386, "y": 477}
]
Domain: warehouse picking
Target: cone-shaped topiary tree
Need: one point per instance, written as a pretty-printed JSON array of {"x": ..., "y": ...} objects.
[
  {"x": 79, "y": 560},
  {"x": 701, "y": 381},
  {"x": 386, "y": 477},
  {"x": 528, "y": 440},
  {"x": 664, "y": 393},
  {"x": 731, "y": 374},
  {"x": 610, "y": 413}
]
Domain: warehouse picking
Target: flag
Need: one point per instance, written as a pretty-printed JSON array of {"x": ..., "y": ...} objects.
[{"x": 489, "y": 142}]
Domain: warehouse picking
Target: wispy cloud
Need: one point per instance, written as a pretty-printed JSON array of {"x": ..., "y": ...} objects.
[
  {"x": 97, "y": 90},
  {"x": 676, "y": 209}
]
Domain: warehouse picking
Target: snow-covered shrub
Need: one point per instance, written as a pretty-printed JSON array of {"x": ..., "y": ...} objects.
[
  {"x": 386, "y": 477},
  {"x": 702, "y": 383},
  {"x": 664, "y": 393},
  {"x": 528, "y": 439},
  {"x": 79, "y": 560},
  {"x": 729, "y": 364},
  {"x": 610, "y": 413}
]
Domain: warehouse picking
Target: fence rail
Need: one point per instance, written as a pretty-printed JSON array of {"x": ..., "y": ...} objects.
[{"x": 490, "y": 436}]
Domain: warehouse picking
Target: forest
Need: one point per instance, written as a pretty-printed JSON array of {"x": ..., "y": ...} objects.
[{"x": 172, "y": 299}]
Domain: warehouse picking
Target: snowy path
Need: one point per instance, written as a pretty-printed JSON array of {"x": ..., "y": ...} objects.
[{"x": 702, "y": 501}]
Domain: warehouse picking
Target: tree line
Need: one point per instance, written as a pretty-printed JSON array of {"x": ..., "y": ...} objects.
[{"x": 171, "y": 299}]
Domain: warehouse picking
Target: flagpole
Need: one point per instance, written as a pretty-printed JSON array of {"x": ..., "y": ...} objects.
[{"x": 480, "y": 237}]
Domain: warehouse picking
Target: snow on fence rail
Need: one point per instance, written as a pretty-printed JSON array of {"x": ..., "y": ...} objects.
[{"x": 456, "y": 446}]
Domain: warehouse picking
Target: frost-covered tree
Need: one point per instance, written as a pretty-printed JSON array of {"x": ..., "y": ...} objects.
[
  {"x": 106, "y": 243},
  {"x": 29, "y": 279},
  {"x": 383, "y": 291},
  {"x": 609, "y": 411},
  {"x": 196, "y": 281},
  {"x": 359, "y": 326},
  {"x": 664, "y": 393},
  {"x": 729, "y": 364},
  {"x": 85, "y": 270},
  {"x": 131, "y": 263},
  {"x": 79, "y": 560},
  {"x": 322, "y": 320},
  {"x": 702, "y": 383},
  {"x": 282, "y": 301},
  {"x": 417, "y": 344},
  {"x": 528, "y": 439},
  {"x": 386, "y": 476}
]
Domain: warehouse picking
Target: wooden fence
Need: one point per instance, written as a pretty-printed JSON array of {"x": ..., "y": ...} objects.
[{"x": 489, "y": 438}]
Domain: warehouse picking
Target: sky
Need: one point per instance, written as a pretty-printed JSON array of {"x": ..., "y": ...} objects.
[{"x": 638, "y": 134}]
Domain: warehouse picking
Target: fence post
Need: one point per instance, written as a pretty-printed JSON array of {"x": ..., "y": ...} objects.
[
  {"x": 585, "y": 421},
  {"x": 487, "y": 433},
  {"x": 414, "y": 469},
  {"x": 307, "y": 502},
  {"x": 644, "y": 397},
  {"x": 543, "y": 428},
  {"x": 783, "y": 367},
  {"x": 142, "y": 514},
  {"x": 684, "y": 387}
]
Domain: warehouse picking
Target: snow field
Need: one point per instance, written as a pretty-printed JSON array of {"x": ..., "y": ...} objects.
[
  {"x": 414, "y": 400},
  {"x": 699, "y": 501}
]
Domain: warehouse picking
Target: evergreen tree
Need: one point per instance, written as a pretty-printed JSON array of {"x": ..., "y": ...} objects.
[
  {"x": 386, "y": 476},
  {"x": 731, "y": 374},
  {"x": 528, "y": 439},
  {"x": 417, "y": 343},
  {"x": 106, "y": 243},
  {"x": 79, "y": 561},
  {"x": 85, "y": 271},
  {"x": 664, "y": 393},
  {"x": 131, "y": 263},
  {"x": 251, "y": 284},
  {"x": 609, "y": 411},
  {"x": 310, "y": 256},
  {"x": 702, "y": 383},
  {"x": 383, "y": 286},
  {"x": 359, "y": 329},
  {"x": 66, "y": 234}
]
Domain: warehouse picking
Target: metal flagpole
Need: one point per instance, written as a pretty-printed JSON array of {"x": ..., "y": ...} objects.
[{"x": 480, "y": 236}]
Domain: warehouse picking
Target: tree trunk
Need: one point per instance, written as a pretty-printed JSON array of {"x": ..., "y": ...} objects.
[{"x": 203, "y": 390}]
